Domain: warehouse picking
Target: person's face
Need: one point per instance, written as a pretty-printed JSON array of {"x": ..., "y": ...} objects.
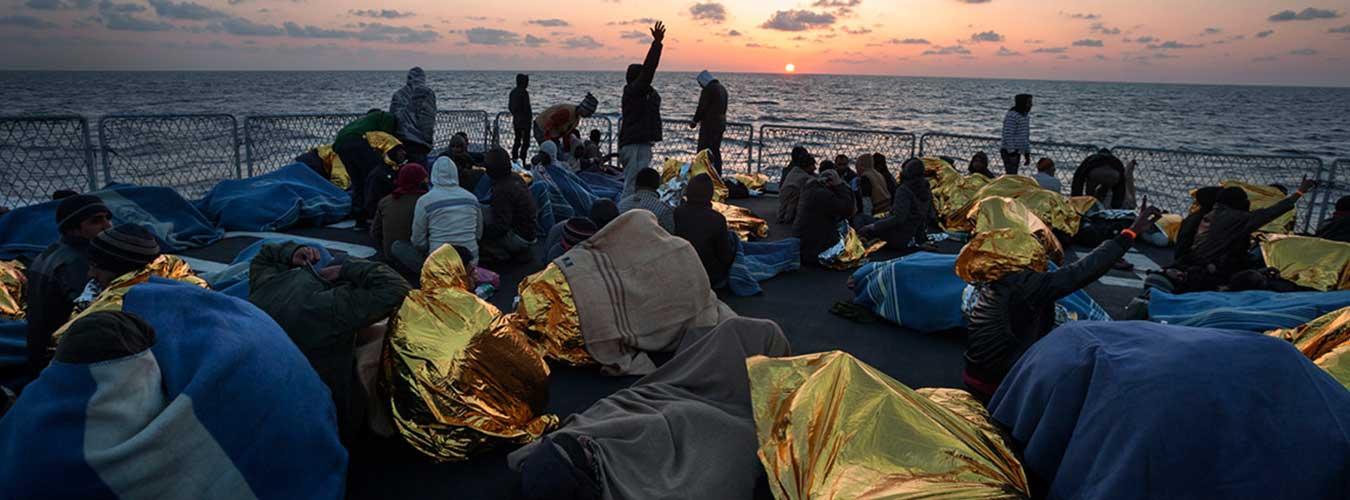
[
  {"x": 94, "y": 225},
  {"x": 103, "y": 278},
  {"x": 398, "y": 155},
  {"x": 459, "y": 149},
  {"x": 1030, "y": 101},
  {"x": 979, "y": 163}
]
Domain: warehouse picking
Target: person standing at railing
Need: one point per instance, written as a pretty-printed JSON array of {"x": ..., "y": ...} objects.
[
  {"x": 522, "y": 115},
  {"x": 640, "y": 125},
  {"x": 1017, "y": 134},
  {"x": 360, "y": 158},
  {"x": 414, "y": 106},
  {"x": 711, "y": 118}
]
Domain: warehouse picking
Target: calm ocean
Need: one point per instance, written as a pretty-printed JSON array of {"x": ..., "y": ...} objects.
[{"x": 1236, "y": 119}]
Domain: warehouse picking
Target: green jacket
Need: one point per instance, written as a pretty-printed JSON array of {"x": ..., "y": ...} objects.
[
  {"x": 378, "y": 121},
  {"x": 322, "y": 318}
]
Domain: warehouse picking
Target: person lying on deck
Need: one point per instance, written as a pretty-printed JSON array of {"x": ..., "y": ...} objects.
[
  {"x": 567, "y": 234},
  {"x": 906, "y": 228},
  {"x": 706, "y": 230},
  {"x": 58, "y": 275},
  {"x": 1013, "y": 311},
  {"x": 1337, "y": 228},
  {"x": 979, "y": 164},
  {"x": 509, "y": 231},
  {"x": 646, "y": 198},
  {"x": 826, "y": 202},
  {"x": 801, "y": 170},
  {"x": 1223, "y": 241},
  {"x": 322, "y": 311},
  {"x": 448, "y": 214}
]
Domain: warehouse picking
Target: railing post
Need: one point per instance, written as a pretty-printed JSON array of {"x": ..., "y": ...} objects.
[
  {"x": 90, "y": 173},
  {"x": 104, "y": 151}
]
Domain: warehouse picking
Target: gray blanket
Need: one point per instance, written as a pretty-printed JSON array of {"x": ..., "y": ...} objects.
[{"x": 685, "y": 431}]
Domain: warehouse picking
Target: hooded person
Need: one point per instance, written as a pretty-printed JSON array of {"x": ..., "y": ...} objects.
[
  {"x": 711, "y": 118},
  {"x": 906, "y": 226},
  {"x": 1224, "y": 239},
  {"x": 414, "y": 106},
  {"x": 58, "y": 275},
  {"x": 705, "y": 229},
  {"x": 1102, "y": 176},
  {"x": 1337, "y": 227},
  {"x": 394, "y": 214},
  {"x": 1205, "y": 198},
  {"x": 825, "y": 202},
  {"x": 872, "y": 191},
  {"x": 447, "y": 214},
  {"x": 522, "y": 115},
  {"x": 801, "y": 170},
  {"x": 360, "y": 158},
  {"x": 641, "y": 107},
  {"x": 509, "y": 230}
]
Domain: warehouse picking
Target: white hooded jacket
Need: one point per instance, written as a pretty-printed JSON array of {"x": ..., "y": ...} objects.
[{"x": 447, "y": 214}]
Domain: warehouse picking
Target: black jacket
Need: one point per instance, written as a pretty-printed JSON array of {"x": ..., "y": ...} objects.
[
  {"x": 706, "y": 230},
  {"x": 55, "y": 280},
  {"x": 818, "y": 215},
  {"x": 1225, "y": 235},
  {"x": 1082, "y": 176},
  {"x": 513, "y": 208},
  {"x": 522, "y": 114},
  {"x": 712, "y": 107},
  {"x": 1335, "y": 229},
  {"x": 911, "y": 206},
  {"x": 1186, "y": 235},
  {"x": 641, "y": 107},
  {"x": 1014, "y": 312}
]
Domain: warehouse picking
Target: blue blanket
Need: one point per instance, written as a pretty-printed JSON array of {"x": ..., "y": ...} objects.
[
  {"x": 1140, "y": 410},
  {"x": 223, "y": 406},
  {"x": 13, "y": 350},
  {"x": 759, "y": 261},
  {"x": 27, "y": 231},
  {"x": 921, "y": 291},
  {"x": 571, "y": 188},
  {"x": 1248, "y": 311},
  {"x": 293, "y": 195},
  {"x": 233, "y": 280},
  {"x": 602, "y": 185}
]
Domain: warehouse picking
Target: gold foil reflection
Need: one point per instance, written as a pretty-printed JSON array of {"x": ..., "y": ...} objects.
[
  {"x": 1312, "y": 262},
  {"x": 13, "y": 283},
  {"x": 743, "y": 222},
  {"x": 1325, "y": 341},
  {"x": 549, "y": 315},
  {"x": 110, "y": 299}
]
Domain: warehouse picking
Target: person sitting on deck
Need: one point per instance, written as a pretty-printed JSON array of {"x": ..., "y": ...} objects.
[
  {"x": 841, "y": 165},
  {"x": 1205, "y": 198},
  {"x": 447, "y": 214},
  {"x": 322, "y": 311},
  {"x": 1014, "y": 310},
  {"x": 873, "y": 196},
  {"x": 1045, "y": 175},
  {"x": 414, "y": 106},
  {"x": 907, "y": 225},
  {"x": 825, "y": 203},
  {"x": 380, "y": 180},
  {"x": 359, "y": 157},
  {"x": 458, "y": 152},
  {"x": 1102, "y": 176},
  {"x": 119, "y": 250},
  {"x": 394, "y": 215},
  {"x": 567, "y": 234},
  {"x": 1223, "y": 241},
  {"x": 509, "y": 232},
  {"x": 799, "y": 157},
  {"x": 58, "y": 275},
  {"x": 979, "y": 164},
  {"x": 1337, "y": 228},
  {"x": 646, "y": 198},
  {"x": 801, "y": 170},
  {"x": 706, "y": 230}
]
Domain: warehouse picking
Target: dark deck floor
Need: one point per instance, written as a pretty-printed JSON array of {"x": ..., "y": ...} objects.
[{"x": 798, "y": 301}]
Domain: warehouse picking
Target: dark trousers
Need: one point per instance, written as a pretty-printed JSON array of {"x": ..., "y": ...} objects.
[
  {"x": 520, "y": 147},
  {"x": 1011, "y": 160},
  {"x": 710, "y": 138},
  {"x": 360, "y": 160}
]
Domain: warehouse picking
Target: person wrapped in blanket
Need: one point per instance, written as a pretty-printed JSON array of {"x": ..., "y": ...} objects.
[
  {"x": 801, "y": 169},
  {"x": 571, "y": 232},
  {"x": 509, "y": 227},
  {"x": 59, "y": 274},
  {"x": 686, "y": 430},
  {"x": 119, "y": 250},
  {"x": 361, "y": 158},
  {"x": 323, "y": 310},
  {"x": 1223, "y": 240},
  {"x": 1337, "y": 227},
  {"x": 906, "y": 227},
  {"x": 825, "y": 202},
  {"x": 706, "y": 229},
  {"x": 1015, "y": 309}
]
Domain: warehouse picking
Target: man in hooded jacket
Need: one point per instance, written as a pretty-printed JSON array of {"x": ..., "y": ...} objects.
[
  {"x": 826, "y": 201},
  {"x": 509, "y": 232},
  {"x": 799, "y": 172},
  {"x": 414, "y": 106},
  {"x": 711, "y": 118},
  {"x": 907, "y": 222},
  {"x": 640, "y": 126},
  {"x": 706, "y": 230},
  {"x": 448, "y": 214}
]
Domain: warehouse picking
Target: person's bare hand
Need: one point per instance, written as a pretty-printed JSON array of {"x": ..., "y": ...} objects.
[
  {"x": 330, "y": 273},
  {"x": 305, "y": 256},
  {"x": 1148, "y": 216},
  {"x": 1307, "y": 185},
  {"x": 659, "y": 32}
]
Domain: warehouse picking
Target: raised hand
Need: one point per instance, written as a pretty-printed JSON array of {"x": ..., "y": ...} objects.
[
  {"x": 659, "y": 32},
  {"x": 1148, "y": 215},
  {"x": 1307, "y": 185}
]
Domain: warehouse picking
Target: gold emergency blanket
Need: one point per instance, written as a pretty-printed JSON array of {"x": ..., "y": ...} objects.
[
  {"x": 1325, "y": 341},
  {"x": 460, "y": 381},
  {"x": 1052, "y": 208},
  {"x": 853, "y": 253},
  {"x": 831, "y": 427},
  {"x": 1311, "y": 262},
  {"x": 337, "y": 171},
  {"x": 1262, "y": 197},
  {"x": 110, "y": 299},
  {"x": 999, "y": 213},
  {"x": 1170, "y": 224},
  {"x": 674, "y": 168},
  {"x": 384, "y": 143},
  {"x": 743, "y": 222},
  {"x": 13, "y": 283},
  {"x": 951, "y": 190},
  {"x": 993, "y": 254},
  {"x": 1082, "y": 204},
  {"x": 548, "y": 314},
  {"x": 755, "y": 181}
]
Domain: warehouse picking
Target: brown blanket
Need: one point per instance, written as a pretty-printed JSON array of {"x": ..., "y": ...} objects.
[{"x": 637, "y": 290}]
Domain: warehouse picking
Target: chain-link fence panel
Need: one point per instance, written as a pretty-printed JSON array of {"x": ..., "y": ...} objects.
[
  {"x": 776, "y": 143},
  {"x": 1330, "y": 189},
  {"x": 189, "y": 153},
  {"x": 273, "y": 141},
  {"x": 1167, "y": 177},
  {"x": 40, "y": 155},
  {"x": 1066, "y": 156},
  {"x": 504, "y": 132},
  {"x": 469, "y": 121},
  {"x": 681, "y": 142}
]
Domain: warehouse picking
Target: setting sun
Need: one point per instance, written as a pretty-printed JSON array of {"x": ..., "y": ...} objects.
[{"x": 790, "y": 68}]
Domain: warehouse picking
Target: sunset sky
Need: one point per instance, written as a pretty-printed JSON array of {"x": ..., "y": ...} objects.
[{"x": 1204, "y": 41}]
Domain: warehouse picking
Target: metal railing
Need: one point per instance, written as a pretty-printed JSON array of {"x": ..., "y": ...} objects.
[
  {"x": 189, "y": 153},
  {"x": 776, "y": 143},
  {"x": 1168, "y": 176},
  {"x": 273, "y": 141},
  {"x": 473, "y": 122},
  {"x": 1329, "y": 189},
  {"x": 504, "y": 131},
  {"x": 680, "y": 142},
  {"x": 1065, "y": 155},
  {"x": 40, "y": 155}
]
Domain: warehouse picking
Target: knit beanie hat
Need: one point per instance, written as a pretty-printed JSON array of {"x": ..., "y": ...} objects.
[
  {"x": 576, "y": 230},
  {"x": 123, "y": 248},
  {"x": 74, "y": 210},
  {"x": 603, "y": 211},
  {"x": 588, "y": 105}
]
